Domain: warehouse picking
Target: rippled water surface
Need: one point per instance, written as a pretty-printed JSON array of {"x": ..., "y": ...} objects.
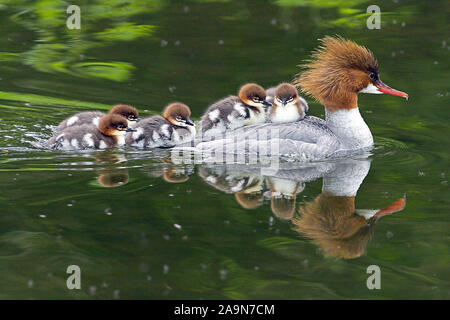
[{"x": 142, "y": 227}]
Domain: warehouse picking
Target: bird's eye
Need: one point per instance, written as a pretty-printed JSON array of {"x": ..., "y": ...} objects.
[
  {"x": 120, "y": 127},
  {"x": 372, "y": 75},
  {"x": 178, "y": 118},
  {"x": 278, "y": 99}
]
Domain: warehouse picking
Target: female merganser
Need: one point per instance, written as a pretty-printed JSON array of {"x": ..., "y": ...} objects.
[
  {"x": 110, "y": 132},
  {"x": 174, "y": 127},
  {"x": 338, "y": 71},
  {"x": 92, "y": 117},
  {"x": 287, "y": 105},
  {"x": 236, "y": 111}
]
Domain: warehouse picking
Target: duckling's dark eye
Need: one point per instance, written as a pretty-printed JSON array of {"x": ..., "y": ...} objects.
[
  {"x": 178, "y": 118},
  {"x": 372, "y": 75},
  {"x": 120, "y": 127}
]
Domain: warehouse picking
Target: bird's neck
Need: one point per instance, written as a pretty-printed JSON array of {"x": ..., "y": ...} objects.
[
  {"x": 349, "y": 126},
  {"x": 120, "y": 140}
]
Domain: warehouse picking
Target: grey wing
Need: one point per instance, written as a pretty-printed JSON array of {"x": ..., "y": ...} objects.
[
  {"x": 151, "y": 132},
  {"x": 306, "y": 140},
  {"x": 80, "y": 137},
  {"x": 89, "y": 117},
  {"x": 219, "y": 111}
]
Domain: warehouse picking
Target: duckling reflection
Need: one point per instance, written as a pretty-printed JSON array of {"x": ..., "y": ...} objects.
[
  {"x": 283, "y": 194},
  {"x": 111, "y": 177},
  {"x": 331, "y": 220},
  {"x": 171, "y": 173}
]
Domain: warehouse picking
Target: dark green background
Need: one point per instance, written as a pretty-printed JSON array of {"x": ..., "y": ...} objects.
[{"x": 151, "y": 53}]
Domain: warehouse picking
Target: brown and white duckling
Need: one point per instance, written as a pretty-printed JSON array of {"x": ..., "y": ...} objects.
[
  {"x": 109, "y": 133},
  {"x": 93, "y": 117},
  {"x": 174, "y": 127},
  {"x": 236, "y": 111},
  {"x": 287, "y": 105}
]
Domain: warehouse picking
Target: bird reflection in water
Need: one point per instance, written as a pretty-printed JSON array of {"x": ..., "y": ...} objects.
[
  {"x": 331, "y": 220},
  {"x": 110, "y": 175}
]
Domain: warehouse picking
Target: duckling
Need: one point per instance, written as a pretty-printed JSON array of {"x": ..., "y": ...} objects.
[
  {"x": 92, "y": 117},
  {"x": 174, "y": 127},
  {"x": 287, "y": 105},
  {"x": 110, "y": 132},
  {"x": 236, "y": 111}
]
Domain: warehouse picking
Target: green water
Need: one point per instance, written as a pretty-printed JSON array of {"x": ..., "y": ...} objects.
[{"x": 142, "y": 228}]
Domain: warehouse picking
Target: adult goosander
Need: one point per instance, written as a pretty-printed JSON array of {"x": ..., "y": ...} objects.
[
  {"x": 236, "y": 111},
  {"x": 174, "y": 127},
  {"x": 287, "y": 105},
  {"x": 110, "y": 132},
  {"x": 93, "y": 117},
  {"x": 338, "y": 71}
]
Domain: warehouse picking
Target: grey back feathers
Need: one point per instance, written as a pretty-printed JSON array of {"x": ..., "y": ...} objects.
[
  {"x": 81, "y": 118},
  {"x": 86, "y": 136},
  {"x": 225, "y": 113},
  {"x": 156, "y": 132}
]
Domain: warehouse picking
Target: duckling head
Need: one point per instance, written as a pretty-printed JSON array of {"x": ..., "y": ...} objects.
[
  {"x": 128, "y": 112},
  {"x": 178, "y": 114},
  {"x": 114, "y": 125},
  {"x": 253, "y": 95}
]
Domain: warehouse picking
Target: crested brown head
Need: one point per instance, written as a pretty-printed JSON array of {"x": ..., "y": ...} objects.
[
  {"x": 113, "y": 125},
  {"x": 337, "y": 71},
  {"x": 253, "y": 95},
  {"x": 332, "y": 223},
  {"x": 128, "y": 112},
  {"x": 178, "y": 114}
]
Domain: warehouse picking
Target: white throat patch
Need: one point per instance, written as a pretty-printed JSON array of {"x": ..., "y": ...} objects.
[{"x": 371, "y": 89}]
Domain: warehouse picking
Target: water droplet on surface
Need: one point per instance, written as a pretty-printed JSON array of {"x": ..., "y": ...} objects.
[
  {"x": 177, "y": 226},
  {"x": 92, "y": 290},
  {"x": 30, "y": 283},
  {"x": 116, "y": 294},
  {"x": 223, "y": 274},
  {"x": 305, "y": 263},
  {"x": 389, "y": 234},
  {"x": 166, "y": 269}
]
